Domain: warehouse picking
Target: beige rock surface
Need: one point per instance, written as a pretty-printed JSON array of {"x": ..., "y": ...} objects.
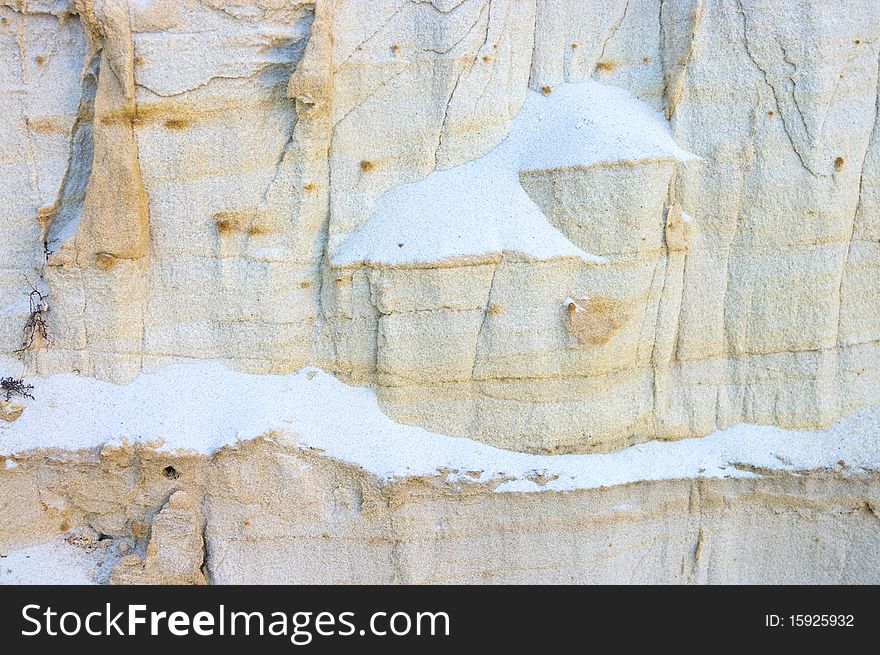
[
  {"x": 179, "y": 178},
  {"x": 276, "y": 514}
]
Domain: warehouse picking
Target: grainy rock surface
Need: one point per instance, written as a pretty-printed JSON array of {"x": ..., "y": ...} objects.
[
  {"x": 275, "y": 514},
  {"x": 553, "y": 226}
]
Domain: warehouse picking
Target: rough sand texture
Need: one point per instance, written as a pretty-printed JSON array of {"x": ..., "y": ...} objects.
[{"x": 581, "y": 249}]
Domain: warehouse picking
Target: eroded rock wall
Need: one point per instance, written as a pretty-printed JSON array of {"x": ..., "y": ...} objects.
[
  {"x": 179, "y": 177},
  {"x": 264, "y": 512}
]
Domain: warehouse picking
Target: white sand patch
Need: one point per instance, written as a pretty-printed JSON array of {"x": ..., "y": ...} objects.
[
  {"x": 54, "y": 563},
  {"x": 202, "y": 406},
  {"x": 479, "y": 208}
]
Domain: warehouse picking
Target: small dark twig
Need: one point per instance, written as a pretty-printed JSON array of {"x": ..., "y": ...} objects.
[
  {"x": 36, "y": 323},
  {"x": 15, "y": 387},
  {"x": 47, "y": 248}
]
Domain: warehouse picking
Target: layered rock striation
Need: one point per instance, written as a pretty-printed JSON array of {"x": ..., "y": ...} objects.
[{"x": 550, "y": 226}]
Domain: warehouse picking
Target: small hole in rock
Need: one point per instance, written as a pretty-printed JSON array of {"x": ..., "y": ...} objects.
[{"x": 170, "y": 472}]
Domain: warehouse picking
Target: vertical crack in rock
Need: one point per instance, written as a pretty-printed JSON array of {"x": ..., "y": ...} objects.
[
  {"x": 406, "y": 67},
  {"x": 834, "y": 91},
  {"x": 282, "y": 155},
  {"x": 794, "y": 95},
  {"x": 204, "y": 565},
  {"x": 403, "y": 5},
  {"x": 646, "y": 315},
  {"x": 485, "y": 318},
  {"x": 311, "y": 86},
  {"x": 289, "y": 103},
  {"x": 32, "y": 155},
  {"x": 61, "y": 219},
  {"x": 690, "y": 564},
  {"x": 398, "y": 568},
  {"x": 655, "y": 356},
  {"x": 697, "y": 553},
  {"x": 372, "y": 92},
  {"x": 679, "y": 246},
  {"x": 784, "y": 121},
  {"x": 678, "y": 334},
  {"x": 322, "y": 306},
  {"x": 173, "y": 545},
  {"x": 487, "y": 4},
  {"x": 487, "y": 8},
  {"x": 855, "y": 217},
  {"x": 115, "y": 218},
  {"x": 534, "y": 42},
  {"x": 612, "y": 31},
  {"x": 374, "y": 296},
  {"x": 661, "y": 47},
  {"x": 675, "y": 57},
  {"x": 727, "y": 330},
  {"x": 145, "y": 224}
]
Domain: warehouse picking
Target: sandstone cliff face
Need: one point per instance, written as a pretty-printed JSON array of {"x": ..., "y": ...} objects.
[
  {"x": 267, "y": 514},
  {"x": 182, "y": 178},
  {"x": 552, "y": 226}
]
